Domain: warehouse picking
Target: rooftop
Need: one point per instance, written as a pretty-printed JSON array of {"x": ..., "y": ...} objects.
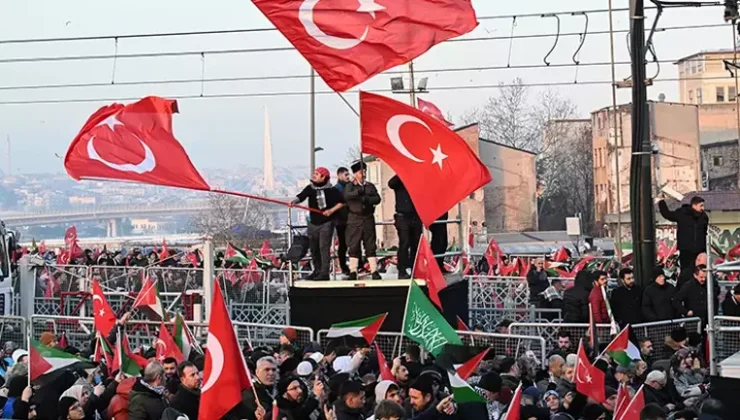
[{"x": 705, "y": 52}]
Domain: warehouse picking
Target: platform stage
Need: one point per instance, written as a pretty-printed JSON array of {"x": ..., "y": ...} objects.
[{"x": 318, "y": 304}]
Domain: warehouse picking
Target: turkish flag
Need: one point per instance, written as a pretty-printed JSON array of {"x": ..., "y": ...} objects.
[
  {"x": 347, "y": 44},
  {"x": 166, "y": 346},
  {"x": 385, "y": 371},
  {"x": 589, "y": 379},
  {"x": 432, "y": 110},
  {"x": 435, "y": 164},
  {"x": 225, "y": 372},
  {"x": 427, "y": 269},
  {"x": 133, "y": 143},
  {"x": 165, "y": 253},
  {"x": 632, "y": 411},
  {"x": 105, "y": 319}
]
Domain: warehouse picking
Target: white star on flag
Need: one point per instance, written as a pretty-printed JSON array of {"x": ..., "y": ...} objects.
[
  {"x": 439, "y": 157},
  {"x": 102, "y": 312}
]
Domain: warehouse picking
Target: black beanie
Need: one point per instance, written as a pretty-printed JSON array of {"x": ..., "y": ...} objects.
[
  {"x": 65, "y": 403},
  {"x": 284, "y": 383},
  {"x": 679, "y": 334}
]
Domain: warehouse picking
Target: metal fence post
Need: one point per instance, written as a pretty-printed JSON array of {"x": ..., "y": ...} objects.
[
  {"x": 208, "y": 277},
  {"x": 28, "y": 286},
  {"x": 710, "y": 313}
]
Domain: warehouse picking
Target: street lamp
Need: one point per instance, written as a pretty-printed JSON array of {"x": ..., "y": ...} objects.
[{"x": 398, "y": 87}]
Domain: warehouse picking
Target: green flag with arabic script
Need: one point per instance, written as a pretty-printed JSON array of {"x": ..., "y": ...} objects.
[{"x": 425, "y": 325}]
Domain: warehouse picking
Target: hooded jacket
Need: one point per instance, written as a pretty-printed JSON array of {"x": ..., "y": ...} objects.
[
  {"x": 575, "y": 299},
  {"x": 691, "y": 227}
]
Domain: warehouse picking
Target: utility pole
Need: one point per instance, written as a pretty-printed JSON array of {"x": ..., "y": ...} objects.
[
  {"x": 312, "y": 129},
  {"x": 412, "y": 91},
  {"x": 617, "y": 134},
  {"x": 641, "y": 203}
]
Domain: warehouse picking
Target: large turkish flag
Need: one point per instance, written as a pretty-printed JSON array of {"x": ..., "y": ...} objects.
[
  {"x": 435, "y": 164},
  {"x": 349, "y": 41},
  {"x": 134, "y": 143}
]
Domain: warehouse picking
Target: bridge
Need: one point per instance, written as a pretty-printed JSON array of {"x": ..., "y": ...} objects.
[{"x": 111, "y": 212}]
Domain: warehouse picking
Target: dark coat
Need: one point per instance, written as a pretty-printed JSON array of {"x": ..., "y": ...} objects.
[
  {"x": 537, "y": 281},
  {"x": 575, "y": 299},
  {"x": 345, "y": 413},
  {"x": 145, "y": 404},
  {"x": 361, "y": 199},
  {"x": 246, "y": 409},
  {"x": 404, "y": 205},
  {"x": 657, "y": 302},
  {"x": 431, "y": 413},
  {"x": 627, "y": 305},
  {"x": 730, "y": 306},
  {"x": 186, "y": 401},
  {"x": 693, "y": 297},
  {"x": 292, "y": 410},
  {"x": 691, "y": 227}
]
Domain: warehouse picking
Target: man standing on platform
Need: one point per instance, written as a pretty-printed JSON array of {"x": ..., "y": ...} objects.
[
  {"x": 439, "y": 239},
  {"x": 692, "y": 224},
  {"x": 343, "y": 178},
  {"x": 361, "y": 197},
  {"x": 408, "y": 226},
  {"x": 324, "y": 197}
]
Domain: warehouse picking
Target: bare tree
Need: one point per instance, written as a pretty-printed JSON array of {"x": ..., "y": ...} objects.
[
  {"x": 230, "y": 219},
  {"x": 353, "y": 155}
]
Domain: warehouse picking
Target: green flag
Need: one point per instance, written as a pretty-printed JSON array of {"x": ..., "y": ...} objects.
[{"x": 425, "y": 325}]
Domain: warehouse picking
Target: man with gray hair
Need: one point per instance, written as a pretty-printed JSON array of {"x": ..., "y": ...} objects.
[
  {"x": 263, "y": 381},
  {"x": 146, "y": 400},
  {"x": 537, "y": 281},
  {"x": 555, "y": 365},
  {"x": 655, "y": 391}
]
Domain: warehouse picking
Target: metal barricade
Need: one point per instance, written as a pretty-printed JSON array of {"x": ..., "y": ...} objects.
[
  {"x": 260, "y": 335},
  {"x": 727, "y": 337},
  {"x": 13, "y": 328},
  {"x": 512, "y": 345},
  {"x": 177, "y": 279},
  {"x": 550, "y": 331},
  {"x": 114, "y": 277},
  {"x": 658, "y": 331},
  {"x": 392, "y": 344},
  {"x": 256, "y": 296}
]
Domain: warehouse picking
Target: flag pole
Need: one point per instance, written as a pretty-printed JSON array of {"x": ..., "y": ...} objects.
[
  {"x": 408, "y": 297},
  {"x": 28, "y": 342}
]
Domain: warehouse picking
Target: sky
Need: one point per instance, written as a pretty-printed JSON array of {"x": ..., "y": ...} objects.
[{"x": 228, "y": 132}]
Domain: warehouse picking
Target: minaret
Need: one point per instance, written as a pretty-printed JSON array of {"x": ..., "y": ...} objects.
[{"x": 269, "y": 177}]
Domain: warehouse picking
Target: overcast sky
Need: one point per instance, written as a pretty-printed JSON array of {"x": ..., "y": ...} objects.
[{"x": 228, "y": 132}]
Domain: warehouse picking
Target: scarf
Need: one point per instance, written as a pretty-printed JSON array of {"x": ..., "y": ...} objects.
[
  {"x": 320, "y": 194},
  {"x": 159, "y": 390}
]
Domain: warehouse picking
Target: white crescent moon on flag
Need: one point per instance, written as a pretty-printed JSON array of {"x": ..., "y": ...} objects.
[
  {"x": 98, "y": 298},
  {"x": 216, "y": 352},
  {"x": 393, "y": 129},
  {"x": 146, "y": 165},
  {"x": 578, "y": 364},
  {"x": 305, "y": 15}
]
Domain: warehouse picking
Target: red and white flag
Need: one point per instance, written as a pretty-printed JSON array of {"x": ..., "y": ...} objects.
[
  {"x": 588, "y": 378},
  {"x": 432, "y": 110},
  {"x": 104, "y": 317},
  {"x": 133, "y": 143},
  {"x": 438, "y": 167},
  {"x": 165, "y": 253},
  {"x": 632, "y": 412},
  {"x": 225, "y": 372},
  {"x": 347, "y": 44},
  {"x": 166, "y": 346},
  {"x": 385, "y": 371},
  {"x": 427, "y": 269}
]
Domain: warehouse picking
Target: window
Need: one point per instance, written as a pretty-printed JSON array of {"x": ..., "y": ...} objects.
[
  {"x": 691, "y": 96},
  {"x": 720, "y": 93},
  {"x": 731, "y": 94},
  {"x": 719, "y": 160},
  {"x": 693, "y": 67},
  {"x": 699, "y": 99},
  {"x": 700, "y": 64}
]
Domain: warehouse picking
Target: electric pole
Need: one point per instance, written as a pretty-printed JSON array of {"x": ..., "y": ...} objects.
[{"x": 641, "y": 208}]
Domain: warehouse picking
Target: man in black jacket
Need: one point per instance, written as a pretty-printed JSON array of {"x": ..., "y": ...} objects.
[
  {"x": 687, "y": 274},
  {"x": 187, "y": 398},
  {"x": 731, "y": 304},
  {"x": 351, "y": 401},
  {"x": 537, "y": 282},
  {"x": 263, "y": 382},
  {"x": 439, "y": 239},
  {"x": 293, "y": 399},
  {"x": 343, "y": 178},
  {"x": 657, "y": 299},
  {"x": 322, "y": 196},
  {"x": 575, "y": 299},
  {"x": 691, "y": 228},
  {"x": 408, "y": 226},
  {"x": 626, "y": 299},
  {"x": 691, "y": 300},
  {"x": 361, "y": 197},
  {"x": 146, "y": 401}
]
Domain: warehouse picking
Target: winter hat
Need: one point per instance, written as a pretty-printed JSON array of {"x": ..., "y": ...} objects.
[
  {"x": 679, "y": 334},
  {"x": 323, "y": 172},
  {"x": 657, "y": 272},
  {"x": 506, "y": 364},
  {"x": 548, "y": 393},
  {"x": 18, "y": 354},
  {"x": 289, "y": 365},
  {"x": 424, "y": 383},
  {"x": 65, "y": 403},
  {"x": 284, "y": 384},
  {"x": 351, "y": 387},
  {"x": 291, "y": 334},
  {"x": 533, "y": 392},
  {"x": 47, "y": 338},
  {"x": 312, "y": 347},
  {"x": 316, "y": 357},
  {"x": 491, "y": 382},
  {"x": 382, "y": 388},
  {"x": 610, "y": 391}
]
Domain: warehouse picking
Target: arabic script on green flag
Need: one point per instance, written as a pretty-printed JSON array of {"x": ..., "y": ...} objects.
[{"x": 425, "y": 325}]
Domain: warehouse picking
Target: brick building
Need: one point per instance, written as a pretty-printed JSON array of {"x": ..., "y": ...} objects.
[{"x": 720, "y": 165}]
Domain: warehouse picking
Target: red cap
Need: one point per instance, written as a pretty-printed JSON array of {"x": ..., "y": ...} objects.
[{"x": 324, "y": 172}]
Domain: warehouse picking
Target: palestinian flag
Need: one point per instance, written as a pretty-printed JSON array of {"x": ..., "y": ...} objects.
[
  {"x": 149, "y": 301},
  {"x": 103, "y": 351},
  {"x": 235, "y": 255},
  {"x": 462, "y": 392},
  {"x": 622, "y": 350},
  {"x": 467, "y": 369},
  {"x": 365, "y": 328},
  {"x": 45, "y": 360},
  {"x": 122, "y": 359},
  {"x": 184, "y": 337}
]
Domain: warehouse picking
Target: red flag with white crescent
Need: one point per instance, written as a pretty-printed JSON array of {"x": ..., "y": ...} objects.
[{"x": 432, "y": 110}]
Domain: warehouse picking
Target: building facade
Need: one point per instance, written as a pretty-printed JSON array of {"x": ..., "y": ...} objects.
[
  {"x": 674, "y": 136},
  {"x": 703, "y": 79},
  {"x": 720, "y": 165},
  {"x": 506, "y": 204}
]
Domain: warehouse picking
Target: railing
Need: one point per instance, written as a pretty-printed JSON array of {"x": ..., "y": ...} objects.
[
  {"x": 79, "y": 331},
  {"x": 512, "y": 345},
  {"x": 655, "y": 331},
  {"x": 13, "y": 329},
  {"x": 727, "y": 337}
]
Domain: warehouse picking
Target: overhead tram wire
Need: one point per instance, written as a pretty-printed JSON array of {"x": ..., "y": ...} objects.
[
  {"x": 327, "y": 92},
  {"x": 304, "y": 76}
]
